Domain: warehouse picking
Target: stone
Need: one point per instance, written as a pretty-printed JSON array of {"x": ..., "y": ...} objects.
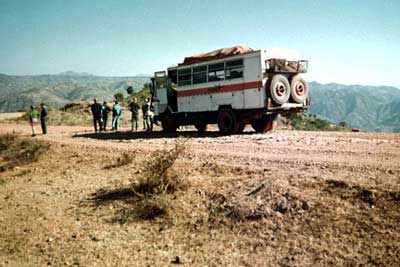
[{"x": 282, "y": 205}]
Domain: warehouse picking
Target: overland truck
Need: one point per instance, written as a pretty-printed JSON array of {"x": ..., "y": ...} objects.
[{"x": 231, "y": 87}]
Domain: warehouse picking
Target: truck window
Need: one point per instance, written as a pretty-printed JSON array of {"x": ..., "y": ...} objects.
[
  {"x": 216, "y": 72},
  {"x": 185, "y": 77},
  {"x": 234, "y": 69},
  {"x": 200, "y": 74}
]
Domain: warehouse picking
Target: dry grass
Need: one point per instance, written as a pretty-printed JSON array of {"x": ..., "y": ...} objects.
[
  {"x": 125, "y": 159},
  {"x": 149, "y": 196},
  {"x": 17, "y": 151},
  {"x": 159, "y": 176}
]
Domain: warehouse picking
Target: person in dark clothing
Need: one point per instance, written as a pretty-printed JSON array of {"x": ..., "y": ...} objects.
[
  {"x": 44, "y": 116},
  {"x": 105, "y": 109},
  {"x": 145, "y": 110},
  {"x": 134, "y": 108},
  {"x": 96, "y": 112}
]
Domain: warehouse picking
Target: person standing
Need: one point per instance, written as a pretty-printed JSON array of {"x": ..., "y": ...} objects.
[
  {"x": 116, "y": 115},
  {"x": 105, "y": 109},
  {"x": 150, "y": 114},
  {"x": 44, "y": 115},
  {"x": 33, "y": 118},
  {"x": 96, "y": 112},
  {"x": 145, "y": 111},
  {"x": 134, "y": 108}
]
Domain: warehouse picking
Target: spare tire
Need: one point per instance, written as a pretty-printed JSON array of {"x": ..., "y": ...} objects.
[
  {"x": 279, "y": 89},
  {"x": 299, "y": 89}
]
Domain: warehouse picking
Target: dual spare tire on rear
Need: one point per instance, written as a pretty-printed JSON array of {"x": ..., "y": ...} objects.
[{"x": 281, "y": 90}]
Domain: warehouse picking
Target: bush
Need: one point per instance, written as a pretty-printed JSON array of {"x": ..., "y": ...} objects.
[
  {"x": 6, "y": 141},
  {"x": 158, "y": 174},
  {"x": 16, "y": 151},
  {"x": 149, "y": 197},
  {"x": 119, "y": 97},
  {"x": 312, "y": 123},
  {"x": 129, "y": 90}
]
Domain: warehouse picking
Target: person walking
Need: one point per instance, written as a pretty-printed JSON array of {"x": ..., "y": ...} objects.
[
  {"x": 105, "y": 109},
  {"x": 96, "y": 112},
  {"x": 134, "y": 108},
  {"x": 145, "y": 111},
  {"x": 117, "y": 111},
  {"x": 44, "y": 115},
  {"x": 33, "y": 118}
]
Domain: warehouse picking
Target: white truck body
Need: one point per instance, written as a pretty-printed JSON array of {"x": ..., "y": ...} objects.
[{"x": 238, "y": 82}]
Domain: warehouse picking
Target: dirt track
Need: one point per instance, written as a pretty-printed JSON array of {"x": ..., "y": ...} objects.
[{"x": 350, "y": 180}]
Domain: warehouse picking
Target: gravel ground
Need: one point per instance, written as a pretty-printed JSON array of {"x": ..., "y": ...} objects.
[{"x": 324, "y": 199}]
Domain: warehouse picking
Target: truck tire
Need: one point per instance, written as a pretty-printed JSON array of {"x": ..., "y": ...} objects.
[
  {"x": 279, "y": 89},
  {"x": 241, "y": 128},
  {"x": 265, "y": 124},
  {"x": 227, "y": 121},
  {"x": 298, "y": 89},
  {"x": 201, "y": 127},
  {"x": 168, "y": 124}
]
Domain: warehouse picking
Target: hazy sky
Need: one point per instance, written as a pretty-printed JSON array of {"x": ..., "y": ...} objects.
[{"x": 345, "y": 41}]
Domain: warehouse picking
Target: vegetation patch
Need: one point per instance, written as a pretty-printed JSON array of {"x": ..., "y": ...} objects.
[
  {"x": 159, "y": 176},
  {"x": 16, "y": 151},
  {"x": 150, "y": 196},
  {"x": 123, "y": 160},
  {"x": 311, "y": 123}
]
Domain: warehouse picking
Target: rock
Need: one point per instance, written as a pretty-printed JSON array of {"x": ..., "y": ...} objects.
[
  {"x": 305, "y": 205},
  {"x": 177, "y": 260},
  {"x": 282, "y": 205}
]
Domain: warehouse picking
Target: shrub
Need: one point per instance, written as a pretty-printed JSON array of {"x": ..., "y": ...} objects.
[
  {"x": 6, "y": 141},
  {"x": 16, "y": 151},
  {"x": 149, "y": 197},
  {"x": 119, "y": 97},
  {"x": 158, "y": 174}
]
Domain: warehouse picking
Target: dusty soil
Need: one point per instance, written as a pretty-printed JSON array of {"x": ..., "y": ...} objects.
[{"x": 286, "y": 198}]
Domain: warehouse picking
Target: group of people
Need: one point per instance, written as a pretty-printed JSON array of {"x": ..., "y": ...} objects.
[
  {"x": 34, "y": 117},
  {"x": 100, "y": 114}
]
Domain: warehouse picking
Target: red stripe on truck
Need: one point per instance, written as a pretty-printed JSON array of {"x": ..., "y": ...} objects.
[{"x": 221, "y": 89}]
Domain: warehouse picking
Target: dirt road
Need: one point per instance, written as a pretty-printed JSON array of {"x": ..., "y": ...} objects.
[{"x": 342, "y": 192}]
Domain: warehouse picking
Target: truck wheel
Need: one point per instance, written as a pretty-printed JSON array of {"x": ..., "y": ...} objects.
[
  {"x": 299, "y": 89},
  {"x": 279, "y": 89},
  {"x": 227, "y": 121},
  {"x": 241, "y": 128},
  {"x": 168, "y": 124},
  {"x": 201, "y": 127},
  {"x": 265, "y": 124}
]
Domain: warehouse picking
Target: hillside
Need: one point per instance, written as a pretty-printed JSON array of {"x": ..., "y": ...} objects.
[
  {"x": 19, "y": 92},
  {"x": 371, "y": 108}
]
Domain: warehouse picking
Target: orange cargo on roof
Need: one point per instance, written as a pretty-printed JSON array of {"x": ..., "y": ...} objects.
[{"x": 219, "y": 53}]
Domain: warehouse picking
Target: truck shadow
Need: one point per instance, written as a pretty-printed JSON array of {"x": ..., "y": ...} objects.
[{"x": 127, "y": 135}]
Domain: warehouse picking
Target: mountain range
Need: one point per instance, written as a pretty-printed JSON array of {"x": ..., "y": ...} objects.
[
  {"x": 370, "y": 108},
  {"x": 19, "y": 92}
]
